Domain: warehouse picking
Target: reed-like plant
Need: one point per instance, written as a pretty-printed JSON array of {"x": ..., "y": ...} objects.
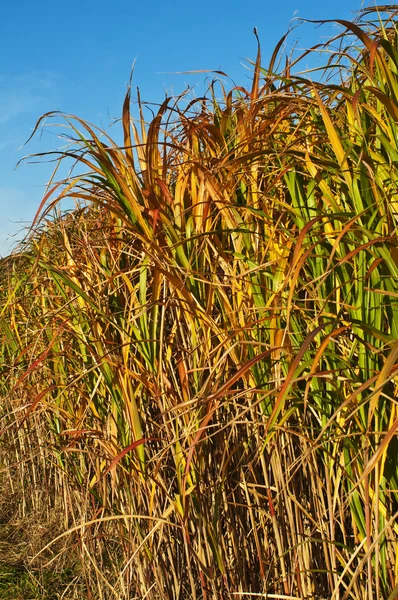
[{"x": 199, "y": 363}]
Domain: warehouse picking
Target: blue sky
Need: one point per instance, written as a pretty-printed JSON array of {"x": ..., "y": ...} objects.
[{"x": 76, "y": 57}]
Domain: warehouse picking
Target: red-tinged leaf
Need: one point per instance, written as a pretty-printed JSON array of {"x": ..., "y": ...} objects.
[
  {"x": 239, "y": 374},
  {"x": 36, "y": 402},
  {"x": 389, "y": 104},
  {"x": 43, "y": 203},
  {"x": 152, "y": 151},
  {"x": 388, "y": 367},
  {"x": 317, "y": 358},
  {"x": 40, "y": 359},
  {"x": 355, "y": 100},
  {"x": 126, "y": 450},
  {"x": 349, "y": 255},
  {"x": 214, "y": 405},
  {"x": 372, "y": 53},
  {"x": 360, "y": 33},
  {"x": 275, "y": 54},
  {"x": 79, "y": 432},
  {"x": 300, "y": 239},
  {"x": 126, "y": 128},
  {"x": 380, "y": 451},
  {"x": 257, "y": 68},
  {"x": 165, "y": 191},
  {"x": 289, "y": 377}
]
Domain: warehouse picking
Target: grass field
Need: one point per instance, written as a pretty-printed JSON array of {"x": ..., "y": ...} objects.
[{"x": 199, "y": 363}]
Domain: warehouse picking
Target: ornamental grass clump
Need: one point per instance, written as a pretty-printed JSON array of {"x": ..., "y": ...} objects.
[{"x": 199, "y": 362}]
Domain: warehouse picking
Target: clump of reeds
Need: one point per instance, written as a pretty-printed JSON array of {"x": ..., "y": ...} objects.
[{"x": 201, "y": 360}]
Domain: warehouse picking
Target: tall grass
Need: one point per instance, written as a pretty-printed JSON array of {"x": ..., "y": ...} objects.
[{"x": 199, "y": 363}]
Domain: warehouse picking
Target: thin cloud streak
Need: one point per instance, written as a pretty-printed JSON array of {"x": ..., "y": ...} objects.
[{"x": 27, "y": 93}]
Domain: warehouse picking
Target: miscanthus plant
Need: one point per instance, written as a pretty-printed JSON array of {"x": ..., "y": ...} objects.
[{"x": 199, "y": 363}]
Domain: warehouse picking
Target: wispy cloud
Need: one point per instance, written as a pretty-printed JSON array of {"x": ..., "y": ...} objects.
[{"x": 27, "y": 93}]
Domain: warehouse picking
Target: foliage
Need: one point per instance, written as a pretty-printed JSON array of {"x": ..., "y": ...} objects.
[{"x": 200, "y": 361}]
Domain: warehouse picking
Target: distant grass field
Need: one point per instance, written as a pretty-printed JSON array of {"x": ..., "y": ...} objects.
[
  {"x": 17, "y": 584},
  {"x": 199, "y": 364}
]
